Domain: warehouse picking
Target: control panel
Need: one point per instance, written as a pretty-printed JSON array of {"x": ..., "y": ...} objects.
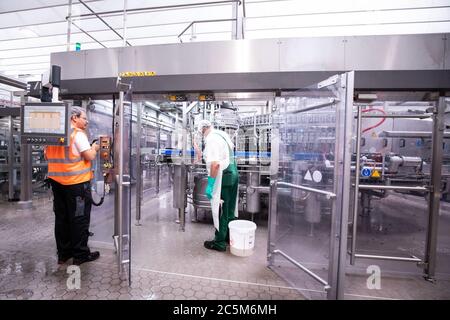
[
  {"x": 105, "y": 157},
  {"x": 45, "y": 123}
]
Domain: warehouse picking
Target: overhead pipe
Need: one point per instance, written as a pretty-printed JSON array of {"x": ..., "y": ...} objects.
[
  {"x": 101, "y": 19},
  {"x": 175, "y": 6}
]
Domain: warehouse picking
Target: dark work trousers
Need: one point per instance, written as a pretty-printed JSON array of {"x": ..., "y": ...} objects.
[{"x": 72, "y": 206}]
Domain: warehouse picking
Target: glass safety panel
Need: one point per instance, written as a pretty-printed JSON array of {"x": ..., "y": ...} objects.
[
  {"x": 309, "y": 128},
  {"x": 391, "y": 221},
  {"x": 100, "y": 115},
  {"x": 443, "y": 237}
]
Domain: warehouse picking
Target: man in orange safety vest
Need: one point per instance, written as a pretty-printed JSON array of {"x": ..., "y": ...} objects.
[{"x": 69, "y": 172}]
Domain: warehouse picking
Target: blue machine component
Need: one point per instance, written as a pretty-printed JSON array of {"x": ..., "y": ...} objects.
[
  {"x": 238, "y": 154},
  {"x": 248, "y": 154},
  {"x": 366, "y": 172},
  {"x": 175, "y": 152},
  {"x": 308, "y": 156}
]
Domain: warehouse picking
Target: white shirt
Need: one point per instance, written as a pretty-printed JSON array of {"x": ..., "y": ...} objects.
[
  {"x": 217, "y": 149},
  {"x": 81, "y": 143}
]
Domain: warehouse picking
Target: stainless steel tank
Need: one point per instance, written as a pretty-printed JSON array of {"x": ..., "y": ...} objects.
[
  {"x": 199, "y": 198},
  {"x": 312, "y": 208},
  {"x": 253, "y": 198}
]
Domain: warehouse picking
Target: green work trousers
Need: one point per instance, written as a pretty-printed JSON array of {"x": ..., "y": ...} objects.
[{"x": 230, "y": 185}]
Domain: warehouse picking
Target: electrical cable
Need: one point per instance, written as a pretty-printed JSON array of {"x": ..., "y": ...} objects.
[{"x": 379, "y": 123}]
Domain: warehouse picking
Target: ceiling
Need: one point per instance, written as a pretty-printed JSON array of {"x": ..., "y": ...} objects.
[{"x": 31, "y": 29}]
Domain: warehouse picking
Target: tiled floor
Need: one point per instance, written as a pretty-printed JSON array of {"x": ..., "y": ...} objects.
[
  {"x": 181, "y": 269},
  {"x": 167, "y": 263}
]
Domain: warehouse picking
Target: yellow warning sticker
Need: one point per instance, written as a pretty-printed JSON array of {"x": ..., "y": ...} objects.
[
  {"x": 137, "y": 74},
  {"x": 375, "y": 174}
]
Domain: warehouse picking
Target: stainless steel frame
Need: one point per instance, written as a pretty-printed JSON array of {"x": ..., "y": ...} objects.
[
  {"x": 342, "y": 186},
  {"x": 11, "y": 170},
  {"x": 139, "y": 177},
  {"x": 122, "y": 207},
  {"x": 271, "y": 64},
  {"x": 435, "y": 194}
]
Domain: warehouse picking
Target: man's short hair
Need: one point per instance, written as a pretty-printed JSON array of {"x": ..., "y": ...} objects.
[{"x": 76, "y": 112}]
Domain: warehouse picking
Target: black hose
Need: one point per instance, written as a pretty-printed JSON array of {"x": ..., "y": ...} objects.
[
  {"x": 98, "y": 204},
  {"x": 104, "y": 185}
]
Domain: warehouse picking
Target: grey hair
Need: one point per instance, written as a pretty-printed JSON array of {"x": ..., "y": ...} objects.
[{"x": 76, "y": 112}]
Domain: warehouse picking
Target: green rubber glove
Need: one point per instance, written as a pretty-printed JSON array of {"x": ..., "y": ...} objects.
[{"x": 210, "y": 188}]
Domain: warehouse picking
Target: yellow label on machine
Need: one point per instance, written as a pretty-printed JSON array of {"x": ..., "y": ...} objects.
[
  {"x": 127, "y": 74},
  {"x": 177, "y": 97},
  {"x": 375, "y": 174}
]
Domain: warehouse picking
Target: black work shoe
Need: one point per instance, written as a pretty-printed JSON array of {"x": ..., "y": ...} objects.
[
  {"x": 62, "y": 259},
  {"x": 90, "y": 257},
  {"x": 212, "y": 245}
]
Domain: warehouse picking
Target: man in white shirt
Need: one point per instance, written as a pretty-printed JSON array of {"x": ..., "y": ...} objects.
[{"x": 223, "y": 182}]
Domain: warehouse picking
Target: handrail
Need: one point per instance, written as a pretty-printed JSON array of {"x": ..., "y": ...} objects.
[
  {"x": 174, "y": 6},
  {"x": 392, "y": 258},
  {"x": 295, "y": 186},
  {"x": 384, "y": 187},
  {"x": 201, "y": 21},
  {"x": 309, "y": 272},
  {"x": 330, "y": 102}
]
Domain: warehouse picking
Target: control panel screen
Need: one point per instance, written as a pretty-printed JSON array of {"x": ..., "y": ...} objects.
[{"x": 44, "y": 119}]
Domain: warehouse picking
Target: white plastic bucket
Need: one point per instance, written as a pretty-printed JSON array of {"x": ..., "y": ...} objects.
[{"x": 242, "y": 237}]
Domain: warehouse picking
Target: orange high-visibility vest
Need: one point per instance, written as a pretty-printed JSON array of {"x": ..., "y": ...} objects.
[{"x": 65, "y": 167}]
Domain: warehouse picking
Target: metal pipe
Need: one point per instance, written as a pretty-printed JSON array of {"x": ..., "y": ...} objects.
[
  {"x": 266, "y": 189},
  {"x": 309, "y": 272},
  {"x": 11, "y": 149},
  {"x": 326, "y": 193},
  {"x": 356, "y": 198},
  {"x": 383, "y": 187},
  {"x": 100, "y": 18},
  {"x": 401, "y": 116},
  {"x": 120, "y": 183},
  {"x": 158, "y": 146},
  {"x": 69, "y": 24},
  {"x": 392, "y": 258},
  {"x": 124, "y": 44},
  {"x": 182, "y": 213},
  {"x": 191, "y": 106},
  {"x": 254, "y": 130},
  {"x": 330, "y": 102},
  {"x": 435, "y": 195},
  {"x": 201, "y": 21},
  {"x": 138, "y": 165},
  {"x": 86, "y": 33},
  {"x": 273, "y": 212},
  {"x": 159, "y": 8},
  {"x": 12, "y": 82}
]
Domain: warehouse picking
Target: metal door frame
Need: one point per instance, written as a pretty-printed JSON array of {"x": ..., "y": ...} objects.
[
  {"x": 342, "y": 184},
  {"x": 123, "y": 190}
]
